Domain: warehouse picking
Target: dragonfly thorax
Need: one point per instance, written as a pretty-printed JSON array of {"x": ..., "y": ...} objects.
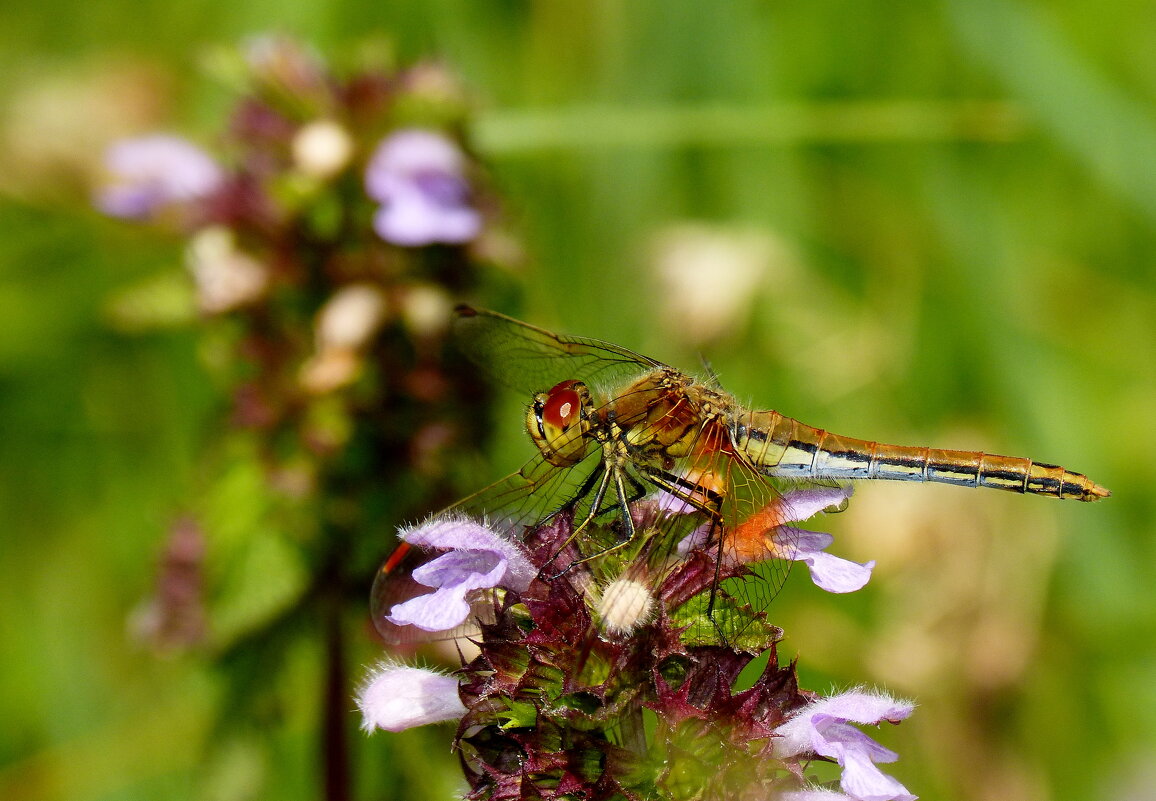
[
  {"x": 558, "y": 422},
  {"x": 666, "y": 415}
]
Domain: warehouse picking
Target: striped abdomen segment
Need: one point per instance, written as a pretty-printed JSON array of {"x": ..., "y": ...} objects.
[{"x": 781, "y": 446}]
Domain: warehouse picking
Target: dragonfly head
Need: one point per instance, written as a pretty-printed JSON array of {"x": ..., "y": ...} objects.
[{"x": 558, "y": 422}]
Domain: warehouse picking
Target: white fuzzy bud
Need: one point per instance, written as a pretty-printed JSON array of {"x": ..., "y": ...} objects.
[
  {"x": 226, "y": 277},
  {"x": 322, "y": 148},
  {"x": 350, "y": 318},
  {"x": 396, "y": 697},
  {"x": 625, "y": 605}
]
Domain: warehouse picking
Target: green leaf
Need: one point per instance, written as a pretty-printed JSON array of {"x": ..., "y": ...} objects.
[{"x": 518, "y": 715}]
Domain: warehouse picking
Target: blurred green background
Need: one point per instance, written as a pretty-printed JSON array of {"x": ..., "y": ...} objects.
[{"x": 926, "y": 222}]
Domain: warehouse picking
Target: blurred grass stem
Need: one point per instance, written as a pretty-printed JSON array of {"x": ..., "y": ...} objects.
[
  {"x": 515, "y": 132},
  {"x": 334, "y": 731}
]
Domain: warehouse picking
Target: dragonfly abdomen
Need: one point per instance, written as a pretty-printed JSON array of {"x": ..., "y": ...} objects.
[{"x": 782, "y": 446}]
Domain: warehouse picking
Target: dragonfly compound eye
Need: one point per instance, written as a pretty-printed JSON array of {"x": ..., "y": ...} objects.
[{"x": 557, "y": 424}]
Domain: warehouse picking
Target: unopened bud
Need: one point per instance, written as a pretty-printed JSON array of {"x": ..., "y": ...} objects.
[
  {"x": 329, "y": 370},
  {"x": 427, "y": 310},
  {"x": 226, "y": 277},
  {"x": 322, "y": 149},
  {"x": 625, "y": 605},
  {"x": 350, "y": 318}
]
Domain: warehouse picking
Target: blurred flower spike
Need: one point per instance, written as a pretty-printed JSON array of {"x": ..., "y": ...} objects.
[
  {"x": 149, "y": 174},
  {"x": 313, "y": 215},
  {"x": 418, "y": 177},
  {"x": 293, "y": 137},
  {"x": 323, "y": 319}
]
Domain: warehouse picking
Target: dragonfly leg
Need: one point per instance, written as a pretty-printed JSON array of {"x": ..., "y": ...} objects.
[
  {"x": 612, "y": 469},
  {"x": 578, "y": 495},
  {"x": 686, "y": 491},
  {"x": 603, "y": 477},
  {"x": 621, "y": 477}
]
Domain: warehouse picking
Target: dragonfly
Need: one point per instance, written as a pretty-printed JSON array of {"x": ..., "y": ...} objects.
[{"x": 613, "y": 427}]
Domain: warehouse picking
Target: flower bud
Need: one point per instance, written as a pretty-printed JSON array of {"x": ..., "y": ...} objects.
[
  {"x": 350, "y": 318},
  {"x": 321, "y": 149},
  {"x": 225, "y": 276},
  {"x": 397, "y": 697},
  {"x": 427, "y": 310},
  {"x": 330, "y": 370},
  {"x": 626, "y": 604}
]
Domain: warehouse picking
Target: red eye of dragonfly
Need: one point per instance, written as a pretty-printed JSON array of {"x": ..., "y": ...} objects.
[{"x": 563, "y": 406}]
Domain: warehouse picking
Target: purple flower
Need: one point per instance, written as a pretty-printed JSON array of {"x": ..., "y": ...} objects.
[
  {"x": 765, "y": 535},
  {"x": 476, "y": 558},
  {"x": 828, "y": 572},
  {"x": 823, "y": 727},
  {"x": 418, "y": 177},
  {"x": 151, "y": 172},
  {"x": 396, "y": 697}
]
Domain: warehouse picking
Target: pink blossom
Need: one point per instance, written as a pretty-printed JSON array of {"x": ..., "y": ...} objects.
[
  {"x": 476, "y": 558},
  {"x": 823, "y": 728},
  {"x": 396, "y": 697},
  {"x": 418, "y": 176},
  {"x": 765, "y": 535},
  {"x": 828, "y": 572},
  {"x": 149, "y": 173}
]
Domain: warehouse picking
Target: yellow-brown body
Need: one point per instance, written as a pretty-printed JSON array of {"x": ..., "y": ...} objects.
[{"x": 666, "y": 415}]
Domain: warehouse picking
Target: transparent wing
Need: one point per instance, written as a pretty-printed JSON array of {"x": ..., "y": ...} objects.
[
  {"x": 747, "y": 551},
  {"x": 720, "y": 538},
  {"x": 753, "y": 547},
  {"x": 709, "y": 527},
  {"x": 532, "y": 359}
]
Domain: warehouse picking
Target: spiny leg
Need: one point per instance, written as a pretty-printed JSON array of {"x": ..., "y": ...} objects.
[
  {"x": 623, "y": 505},
  {"x": 603, "y": 476},
  {"x": 677, "y": 486}
]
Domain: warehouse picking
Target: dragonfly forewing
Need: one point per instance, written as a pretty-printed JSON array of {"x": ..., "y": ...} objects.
[{"x": 531, "y": 359}]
